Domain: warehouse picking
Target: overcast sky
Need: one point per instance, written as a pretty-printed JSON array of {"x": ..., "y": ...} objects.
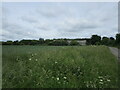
[{"x": 58, "y": 20}]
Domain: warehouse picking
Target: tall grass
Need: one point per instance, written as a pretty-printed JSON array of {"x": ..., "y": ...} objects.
[{"x": 59, "y": 67}]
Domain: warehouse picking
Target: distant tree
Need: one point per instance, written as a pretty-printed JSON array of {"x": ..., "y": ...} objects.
[
  {"x": 48, "y": 42},
  {"x": 4, "y": 43},
  {"x": 97, "y": 43},
  {"x": 105, "y": 41},
  {"x": 95, "y": 38},
  {"x": 1, "y": 42},
  {"x": 88, "y": 42},
  {"x": 74, "y": 42},
  {"x": 9, "y": 43},
  {"x": 58, "y": 42},
  {"x": 41, "y": 40},
  {"x": 34, "y": 42},
  {"x": 111, "y": 38},
  {"x": 16, "y": 42},
  {"x": 111, "y": 41},
  {"x": 25, "y": 42},
  {"x": 64, "y": 42},
  {"x": 118, "y": 39}
]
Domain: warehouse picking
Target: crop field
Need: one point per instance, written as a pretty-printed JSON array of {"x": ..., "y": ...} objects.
[{"x": 58, "y": 67}]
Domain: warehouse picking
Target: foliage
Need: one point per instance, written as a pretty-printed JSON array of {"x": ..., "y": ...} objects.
[
  {"x": 118, "y": 39},
  {"x": 74, "y": 42},
  {"x": 105, "y": 41},
  {"x": 108, "y": 41},
  {"x": 94, "y": 39},
  {"x": 59, "y": 43}
]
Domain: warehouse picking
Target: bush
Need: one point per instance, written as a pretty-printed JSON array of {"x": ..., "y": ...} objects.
[{"x": 74, "y": 43}]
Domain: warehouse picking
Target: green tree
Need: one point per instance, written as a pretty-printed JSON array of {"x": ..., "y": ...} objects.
[
  {"x": 105, "y": 41},
  {"x": 74, "y": 42},
  {"x": 58, "y": 42},
  {"x": 118, "y": 39},
  {"x": 9, "y": 43},
  {"x": 16, "y": 42},
  {"x": 95, "y": 38},
  {"x": 111, "y": 41},
  {"x": 25, "y": 42},
  {"x": 41, "y": 41}
]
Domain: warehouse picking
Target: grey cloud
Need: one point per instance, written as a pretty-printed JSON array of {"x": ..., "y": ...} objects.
[
  {"x": 42, "y": 28},
  {"x": 78, "y": 28},
  {"x": 29, "y": 19},
  {"x": 15, "y": 31},
  {"x": 10, "y": 26},
  {"x": 46, "y": 12},
  {"x": 79, "y": 25},
  {"x": 51, "y": 12}
]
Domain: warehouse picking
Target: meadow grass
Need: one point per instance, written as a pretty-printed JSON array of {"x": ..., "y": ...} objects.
[{"x": 59, "y": 67}]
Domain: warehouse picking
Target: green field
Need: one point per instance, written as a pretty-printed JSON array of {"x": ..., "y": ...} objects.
[{"x": 59, "y": 67}]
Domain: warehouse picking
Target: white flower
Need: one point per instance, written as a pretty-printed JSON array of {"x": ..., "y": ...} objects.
[
  {"x": 101, "y": 80},
  {"x": 65, "y": 77},
  {"x": 35, "y": 59},
  {"x": 108, "y": 80},
  {"x": 100, "y": 77},
  {"x": 56, "y": 62},
  {"x": 58, "y": 79},
  {"x": 30, "y": 59}
]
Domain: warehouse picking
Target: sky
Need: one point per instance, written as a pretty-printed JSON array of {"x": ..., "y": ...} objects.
[{"x": 48, "y": 20}]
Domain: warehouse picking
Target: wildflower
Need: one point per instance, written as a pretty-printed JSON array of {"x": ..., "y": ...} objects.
[
  {"x": 30, "y": 59},
  {"x": 17, "y": 59},
  {"x": 56, "y": 62},
  {"x": 52, "y": 77},
  {"x": 108, "y": 80},
  {"x": 30, "y": 71},
  {"x": 58, "y": 79},
  {"x": 35, "y": 59},
  {"x": 100, "y": 77},
  {"x": 78, "y": 69},
  {"x": 65, "y": 77},
  {"x": 101, "y": 80}
]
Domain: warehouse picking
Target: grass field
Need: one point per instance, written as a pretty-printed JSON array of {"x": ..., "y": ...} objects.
[{"x": 59, "y": 67}]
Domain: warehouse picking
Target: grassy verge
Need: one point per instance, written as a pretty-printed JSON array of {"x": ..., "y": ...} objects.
[{"x": 59, "y": 67}]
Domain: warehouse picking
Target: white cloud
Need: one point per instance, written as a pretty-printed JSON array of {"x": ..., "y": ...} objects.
[{"x": 56, "y": 20}]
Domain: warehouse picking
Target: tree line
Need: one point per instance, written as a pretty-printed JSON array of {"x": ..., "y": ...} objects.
[
  {"x": 94, "y": 40},
  {"x": 108, "y": 41}
]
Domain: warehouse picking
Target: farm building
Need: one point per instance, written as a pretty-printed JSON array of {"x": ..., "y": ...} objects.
[{"x": 81, "y": 42}]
